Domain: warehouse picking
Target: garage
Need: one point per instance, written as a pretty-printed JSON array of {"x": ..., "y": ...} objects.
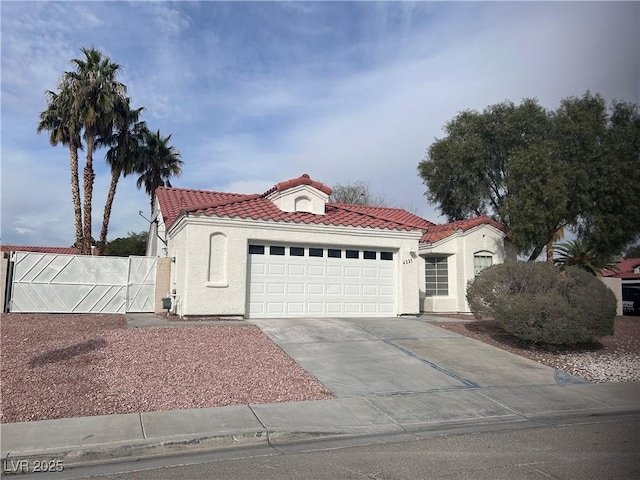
[{"x": 320, "y": 281}]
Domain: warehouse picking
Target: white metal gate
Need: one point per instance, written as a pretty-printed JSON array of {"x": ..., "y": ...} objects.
[{"x": 55, "y": 283}]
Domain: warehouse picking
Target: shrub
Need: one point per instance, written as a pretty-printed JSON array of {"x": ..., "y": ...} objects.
[{"x": 536, "y": 302}]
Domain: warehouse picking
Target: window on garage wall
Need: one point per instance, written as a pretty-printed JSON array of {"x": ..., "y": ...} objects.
[
  {"x": 482, "y": 260},
  {"x": 436, "y": 276}
]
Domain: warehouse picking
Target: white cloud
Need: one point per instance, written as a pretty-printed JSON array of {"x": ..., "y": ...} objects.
[
  {"x": 249, "y": 186},
  {"x": 258, "y": 93}
]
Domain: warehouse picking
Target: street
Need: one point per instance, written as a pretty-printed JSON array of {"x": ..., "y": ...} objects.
[{"x": 590, "y": 448}]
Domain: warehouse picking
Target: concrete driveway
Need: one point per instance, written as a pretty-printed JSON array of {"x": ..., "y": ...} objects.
[{"x": 381, "y": 356}]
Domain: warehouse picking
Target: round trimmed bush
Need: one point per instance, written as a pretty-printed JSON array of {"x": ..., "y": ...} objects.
[{"x": 536, "y": 302}]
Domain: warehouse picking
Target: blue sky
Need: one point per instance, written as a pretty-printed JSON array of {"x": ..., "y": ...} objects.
[{"x": 259, "y": 92}]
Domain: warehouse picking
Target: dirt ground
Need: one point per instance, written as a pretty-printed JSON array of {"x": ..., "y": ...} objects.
[
  {"x": 615, "y": 358},
  {"x": 58, "y": 366}
]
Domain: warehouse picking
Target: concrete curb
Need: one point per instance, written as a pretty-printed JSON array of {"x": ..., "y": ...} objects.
[{"x": 110, "y": 452}]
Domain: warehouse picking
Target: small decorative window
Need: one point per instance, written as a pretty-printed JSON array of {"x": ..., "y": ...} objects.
[
  {"x": 276, "y": 250},
  {"x": 334, "y": 253},
  {"x": 256, "y": 249},
  {"x": 352, "y": 254},
  {"x": 386, "y": 255},
  {"x": 481, "y": 261},
  {"x": 368, "y": 255},
  {"x": 316, "y": 252},
  {"x": 296, "y": 251}
]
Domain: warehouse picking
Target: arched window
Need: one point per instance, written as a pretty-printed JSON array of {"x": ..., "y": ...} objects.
[{"x": 482, "y": 260}]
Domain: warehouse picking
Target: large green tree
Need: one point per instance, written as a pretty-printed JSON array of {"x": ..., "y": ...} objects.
[
  {"x": 132, "y": 244},
  {"x": 157, "y": 163},
  {"x": 538, "y": 171}
]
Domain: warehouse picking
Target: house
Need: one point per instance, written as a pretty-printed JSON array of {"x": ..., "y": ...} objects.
[
  {"x": 289, "y": 252},
  {"x": 628, "y": 273}
]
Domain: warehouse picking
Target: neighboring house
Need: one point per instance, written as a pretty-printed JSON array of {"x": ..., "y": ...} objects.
[
  {"x": 290, "y": 253},
  {"x": 628, "y": 271},
  {"x": 7, "y": 249}
]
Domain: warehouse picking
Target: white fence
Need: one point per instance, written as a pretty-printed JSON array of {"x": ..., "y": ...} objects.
[{"x": 43, "y": 282}]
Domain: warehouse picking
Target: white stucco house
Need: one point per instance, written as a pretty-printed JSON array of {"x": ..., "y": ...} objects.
[{"x": 288, "y": 252}]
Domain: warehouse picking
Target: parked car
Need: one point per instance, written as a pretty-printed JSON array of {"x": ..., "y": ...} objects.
[{"x": 631, "y": 300}]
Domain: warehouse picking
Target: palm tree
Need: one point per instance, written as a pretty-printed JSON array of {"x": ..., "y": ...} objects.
[
  {"x": 125, "y": 145},
  {"x": 95, "y": 93},
  {"x": 64, "y": 130},
  {"x": 558, "y": 235},
  {"x": 578, "y": 253},
  {"x": 158, "y": 162}
]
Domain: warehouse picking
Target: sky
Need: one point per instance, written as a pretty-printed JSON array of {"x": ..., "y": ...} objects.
[{"x": 254, "y": 93}]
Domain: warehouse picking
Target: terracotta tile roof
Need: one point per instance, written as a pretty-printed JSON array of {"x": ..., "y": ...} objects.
[
  {"x": 438, "y": 232},
  {"x": 175, "y": 202},
  {"x": 23, "y": 248},
  {"x": 294, "y": 182},
  {"x": 263, "y": 209},
  {"x": 393, "y": 214},
  {"x": 625, "y": 269}
]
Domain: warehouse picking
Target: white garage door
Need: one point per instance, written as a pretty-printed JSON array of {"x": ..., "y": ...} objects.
[{"x": 309, "y": 281}]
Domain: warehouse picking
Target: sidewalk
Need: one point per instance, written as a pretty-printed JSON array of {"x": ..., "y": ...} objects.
[{"x": 87, "y": 440}]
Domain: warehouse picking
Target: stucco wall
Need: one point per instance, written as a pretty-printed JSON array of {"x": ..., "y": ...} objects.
[
  {"x": 189, "y": 244},
  {"x": 615, "y": 284},
  {"x": 460, "y": 249}
]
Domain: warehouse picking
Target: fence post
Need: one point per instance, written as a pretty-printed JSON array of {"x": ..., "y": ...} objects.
[{"x": 163, "y": 281}]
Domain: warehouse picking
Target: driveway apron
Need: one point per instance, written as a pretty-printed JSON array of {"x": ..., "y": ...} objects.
[{"x": 382, "y": 356}]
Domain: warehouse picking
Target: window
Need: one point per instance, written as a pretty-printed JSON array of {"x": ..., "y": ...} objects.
[
  {"x": 367, "y": 255},
  {"x": 333, "y": 253},
  {"x": 481, "y": 261},
  {"x": 256, "y": 249},
  {"x": 315, "y": 252},
  {"x": 386, "y": 255},
  {"x": 436, "y": 276},
  {"x": 276, "y": 250},
  {"x": 352, "y": 254},
  {"x": 296, "y": 251}
]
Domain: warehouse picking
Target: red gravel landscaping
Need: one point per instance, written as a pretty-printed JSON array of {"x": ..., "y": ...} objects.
[
  {"x": 615, "y": 358},
  {"x": 57, "y": 366}
]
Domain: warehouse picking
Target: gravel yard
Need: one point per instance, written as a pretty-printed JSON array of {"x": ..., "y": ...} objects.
[
  {"x": 57, "y": 366},
  {"x": 615, "y": 358}
]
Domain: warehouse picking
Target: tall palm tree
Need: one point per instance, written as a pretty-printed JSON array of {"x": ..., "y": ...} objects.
[
  {"x": 95, "y": 92},
  {"x": 558, "y": 235},
  {"x": 158, "y": 162},
  {"x": 124, "y": 149},
  {"x": 63, "y": 129},
  {"x": 578, "y": 253}
]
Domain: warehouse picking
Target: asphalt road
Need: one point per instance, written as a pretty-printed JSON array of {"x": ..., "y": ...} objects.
[{"x": 599, "y": 449}]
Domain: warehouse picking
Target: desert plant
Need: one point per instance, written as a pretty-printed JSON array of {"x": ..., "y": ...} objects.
[{"x": 538, "y": 303}]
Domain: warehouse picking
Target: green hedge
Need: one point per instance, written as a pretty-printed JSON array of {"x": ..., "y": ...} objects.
[{"x": 536, "y": 302}]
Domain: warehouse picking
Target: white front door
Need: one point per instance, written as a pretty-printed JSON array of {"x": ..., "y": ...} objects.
[{"x": 320, "y": 281}]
